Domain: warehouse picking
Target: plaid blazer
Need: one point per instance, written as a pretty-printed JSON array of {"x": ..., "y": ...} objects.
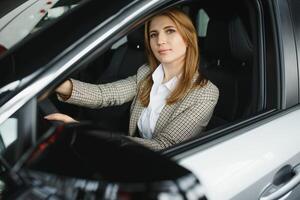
[{"x": 176, "y": 122}]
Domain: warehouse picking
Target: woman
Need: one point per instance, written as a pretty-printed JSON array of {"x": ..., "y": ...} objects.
[{"x": 172, "y": 101}]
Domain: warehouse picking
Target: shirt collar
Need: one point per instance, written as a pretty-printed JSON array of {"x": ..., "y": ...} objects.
[
  {"x": 158, "y": 76},
  {"x": 171, "y": 84}
]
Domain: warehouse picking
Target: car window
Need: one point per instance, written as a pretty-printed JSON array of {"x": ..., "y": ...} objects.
[
  {"x": 235, "y": 69},
  {"x": 19, "y": 132},
  {"x": 8, "y": 132},
  {"x": 202, "y": 22}
]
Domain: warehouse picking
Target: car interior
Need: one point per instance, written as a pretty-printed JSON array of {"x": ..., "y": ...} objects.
[
  {"x": 228, "y": 42},
  {"x": 227, "y": 57}
]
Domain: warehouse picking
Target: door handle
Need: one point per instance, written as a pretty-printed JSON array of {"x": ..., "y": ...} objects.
[{"x": 285, "y": 180}]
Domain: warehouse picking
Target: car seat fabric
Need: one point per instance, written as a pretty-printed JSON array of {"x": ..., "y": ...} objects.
[
  {"x": 225, "y": 57},
  {"x": 125, "y": 61}
]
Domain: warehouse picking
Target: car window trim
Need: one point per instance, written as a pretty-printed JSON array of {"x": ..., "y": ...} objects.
[
  {"x": 199, "y": 144},
  {"x": 287, "y": 56}
]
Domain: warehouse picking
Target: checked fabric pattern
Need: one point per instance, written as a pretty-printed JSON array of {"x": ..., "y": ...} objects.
[{"x": 176, "y": 123}]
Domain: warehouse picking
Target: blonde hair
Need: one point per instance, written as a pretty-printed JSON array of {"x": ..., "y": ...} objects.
[{"x": 187, "y": 30}]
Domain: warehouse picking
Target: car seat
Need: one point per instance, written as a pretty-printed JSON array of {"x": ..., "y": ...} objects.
[
  {"x": 124, "y": 62},
  {"x": 127, "y": 58},
  {"x": 226, "y": 60}
]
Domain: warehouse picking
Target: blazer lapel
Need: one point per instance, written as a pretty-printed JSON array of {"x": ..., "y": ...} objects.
[
  {"x": 135, "y": 115},
  {"x": 164, "y": 117}
]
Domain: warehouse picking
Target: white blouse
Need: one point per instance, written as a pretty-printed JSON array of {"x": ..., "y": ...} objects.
[{"x": 158, "y": 95}]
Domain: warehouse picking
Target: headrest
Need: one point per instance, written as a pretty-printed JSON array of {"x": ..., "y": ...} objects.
[
  {"x": 227, "y": 39},
  {"x": 136, "y": 39}
]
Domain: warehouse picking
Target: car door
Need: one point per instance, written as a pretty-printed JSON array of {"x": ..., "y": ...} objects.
[
  {"x": 261, "y": 159},
  {"x": 246, "y": 166}
]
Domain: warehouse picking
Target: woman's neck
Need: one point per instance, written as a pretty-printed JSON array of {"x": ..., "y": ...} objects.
[{"x": 171, "y": 70}]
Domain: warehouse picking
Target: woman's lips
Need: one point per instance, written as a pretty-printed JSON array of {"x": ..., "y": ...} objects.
[{"x": 164, "y": 51}]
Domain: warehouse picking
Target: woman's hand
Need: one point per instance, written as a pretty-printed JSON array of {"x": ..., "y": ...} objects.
[
  {"x": 60, "y": 117},
  {"x": 64, "y": 90}
]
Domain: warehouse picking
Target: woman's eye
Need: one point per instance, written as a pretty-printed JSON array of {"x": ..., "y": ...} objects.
[
  {"x": 169, "y": 31},
  {"x": 153, "y": 35}
]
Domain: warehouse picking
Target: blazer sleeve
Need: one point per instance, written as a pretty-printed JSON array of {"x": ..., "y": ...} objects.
[
  {"x": 185, "y": 125},
  {"x": 104, "y": 95}
]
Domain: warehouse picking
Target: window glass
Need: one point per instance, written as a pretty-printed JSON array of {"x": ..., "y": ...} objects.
[
  {"x": 8, "y": 132},
  {"x": 202, "y": 22}
]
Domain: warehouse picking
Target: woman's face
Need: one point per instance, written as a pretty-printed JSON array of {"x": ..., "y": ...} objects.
[{"x": 166, "y": 42}]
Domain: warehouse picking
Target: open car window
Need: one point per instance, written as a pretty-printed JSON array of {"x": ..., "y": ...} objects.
[{"x": 235, "y": 69}]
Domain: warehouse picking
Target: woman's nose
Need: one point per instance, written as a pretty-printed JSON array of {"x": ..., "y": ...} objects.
[{"x": 161, "y": 39}]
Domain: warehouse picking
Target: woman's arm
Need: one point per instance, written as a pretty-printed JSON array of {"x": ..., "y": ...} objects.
[
  {"x": 93, "y": 96},
  {"x": 97, "y": 96},
  {"x": 103, "y": 95}
]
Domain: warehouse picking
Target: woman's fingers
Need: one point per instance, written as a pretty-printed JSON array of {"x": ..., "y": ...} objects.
[
  {"x": 60, "y": 117},
  {"x": 54, "y": 116}
]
